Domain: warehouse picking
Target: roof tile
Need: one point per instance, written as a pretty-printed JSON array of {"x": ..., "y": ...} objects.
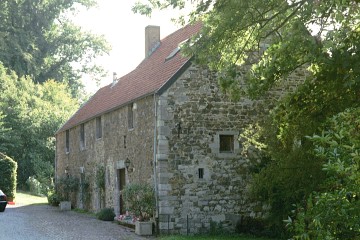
[{"x": 152, "y": 73}]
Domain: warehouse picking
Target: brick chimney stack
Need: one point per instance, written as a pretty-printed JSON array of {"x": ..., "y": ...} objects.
[{"x": 152, "y": 39}]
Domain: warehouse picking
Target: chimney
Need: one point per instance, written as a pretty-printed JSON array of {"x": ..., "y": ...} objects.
[
  {"x": 114, "y": 79},
  {"x": 152, "y": 39}
]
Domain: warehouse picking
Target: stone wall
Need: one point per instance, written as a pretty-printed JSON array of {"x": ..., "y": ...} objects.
[
  {"x": 192, "y": 115},
  {"x": 117, "y": 143},
  {"x": 196, "y": 183}
]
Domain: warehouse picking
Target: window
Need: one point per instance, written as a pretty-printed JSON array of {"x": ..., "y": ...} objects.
[
  {"x": 131, "y": 116},
  {"x": 98, "y": 128},
  {"x": 201, "y": 173},
  {"x": 172, "y": 54},
  {"x": 226, "y": 143},
  {"x": 124, "y": 141},
  {"x": 82, "y": 136},
  {"x": 176, "y": 50},
  {"x": 67, "y": 141}
]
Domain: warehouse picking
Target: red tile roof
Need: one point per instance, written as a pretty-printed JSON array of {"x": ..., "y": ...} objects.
[{"x": 148, "y": 77}]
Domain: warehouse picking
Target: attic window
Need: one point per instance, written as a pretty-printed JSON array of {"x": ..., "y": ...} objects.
[
  {"x": 172, "y": 54},
  {"x": 176, "y": 50}
]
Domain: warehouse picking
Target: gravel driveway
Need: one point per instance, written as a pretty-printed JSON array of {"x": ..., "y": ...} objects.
[{"x": 44, "y": 222}]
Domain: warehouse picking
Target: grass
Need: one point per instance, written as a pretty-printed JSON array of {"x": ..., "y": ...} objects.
[{"x": 24, "y": 198}]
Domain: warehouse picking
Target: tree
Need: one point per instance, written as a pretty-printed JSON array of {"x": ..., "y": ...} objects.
[
  {"x": 331, "y": 212},
  {"x": 320, "y": 34},
  {"x": 274, "y": 38},
  {"x": 37, "y": 39},
  {"x": 4, "y": 134},
  {"x": 33, "y": 112}
]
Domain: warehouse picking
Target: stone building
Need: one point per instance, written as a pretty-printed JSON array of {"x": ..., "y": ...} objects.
[{"x": 169, "y": 119}]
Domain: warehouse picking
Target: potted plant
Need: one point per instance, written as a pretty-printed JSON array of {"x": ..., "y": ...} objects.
[
  {"x": 139, "y": 199},
  {"x": 67, "y": 185}
]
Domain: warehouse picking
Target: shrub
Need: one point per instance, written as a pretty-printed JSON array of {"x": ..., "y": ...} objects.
[
  {"x": 8, "y": 175},
  {"x": 34, "y": 186},
  {"x": 216, "y": 229},
  {"x": 249, "y": 225},
  {"x": 67, "y": 185},
  {"x": 100, "y": 178},
  {"x": 106, "y": 214},
  {"x": 140, "y": 200},
  {"x": 53, "y": 199},
  {"x": 332, "y": 211}
]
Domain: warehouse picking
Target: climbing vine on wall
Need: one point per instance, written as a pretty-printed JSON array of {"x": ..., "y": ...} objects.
[{"x": 100, "y": 178}]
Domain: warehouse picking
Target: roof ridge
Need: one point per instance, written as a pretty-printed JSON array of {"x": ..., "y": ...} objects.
[{"x": 150, "y": 75}]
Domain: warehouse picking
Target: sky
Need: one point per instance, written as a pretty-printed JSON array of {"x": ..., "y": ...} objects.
[{"x": 125, "y": 31}]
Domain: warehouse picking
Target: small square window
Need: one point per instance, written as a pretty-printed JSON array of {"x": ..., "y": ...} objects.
[
  {"x": 226, "y": 143},
  {"x": 201, "y": 173}
]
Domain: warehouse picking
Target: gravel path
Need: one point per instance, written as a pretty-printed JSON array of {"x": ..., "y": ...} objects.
[{"x": 44, "y": 222}]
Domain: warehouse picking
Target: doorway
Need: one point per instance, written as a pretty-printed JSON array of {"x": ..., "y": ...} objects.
[{"x": 121, "y": 185}]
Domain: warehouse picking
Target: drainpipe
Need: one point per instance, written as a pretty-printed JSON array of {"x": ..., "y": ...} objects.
[{"x": 155, "y": 150}]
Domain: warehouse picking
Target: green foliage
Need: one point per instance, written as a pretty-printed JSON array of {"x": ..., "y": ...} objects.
[
  {"x": 32, "y": 113},
  {"x": 271, "y": 40},
  {"x": 139, "y": 199},
  {"x": 286, "y": 174},
  {"x": 100, "y": 183},
  {"x": 8, "y": 169},
  {"x": 85, "y": 189},
  {"x": 252, "y": 226},
  {"x": 332, "y": 211},
  {"x": 216, "y": 229},
  {"x": 100, "y": 178},
  {"x": 66, "y": 185},
  {"x": 54, "y": 198},
  {"x": 291, "y": 171},
  {"x": 106, "y": 214},
  {"x": 4, "y": 134},
  {"x": 210, "y": 237},
  {"x": 274, "y": 38},
  {"x": 34, "y": 186},
  {"x": 38, "y": 39}
]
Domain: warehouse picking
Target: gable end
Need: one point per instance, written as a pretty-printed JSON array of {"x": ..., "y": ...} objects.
[{"x": 174, "y": 77}]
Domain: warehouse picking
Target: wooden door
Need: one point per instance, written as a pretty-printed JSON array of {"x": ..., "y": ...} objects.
[{"x": 121, "y": 184}]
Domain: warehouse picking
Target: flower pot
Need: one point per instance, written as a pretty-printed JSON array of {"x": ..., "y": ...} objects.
[
  {"x": 143, "y": 228},
  {"x": 65, "y": 205}
]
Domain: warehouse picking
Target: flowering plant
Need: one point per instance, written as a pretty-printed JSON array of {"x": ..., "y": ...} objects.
[{"x": 140, "y": 200}]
